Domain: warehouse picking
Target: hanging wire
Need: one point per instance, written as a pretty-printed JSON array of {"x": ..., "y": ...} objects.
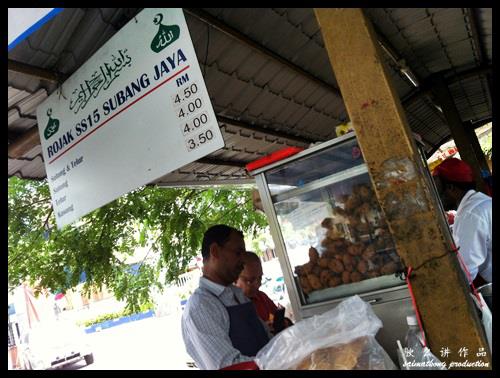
[
  {"x": 206, "y": 52},
  {"x": 59, "y": 89}
]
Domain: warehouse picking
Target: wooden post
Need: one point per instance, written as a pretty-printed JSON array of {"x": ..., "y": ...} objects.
[
  {"x": 416, "y": 223},
  {"x": 460, "y": 136},
  {"x": 476, "y": 147}
]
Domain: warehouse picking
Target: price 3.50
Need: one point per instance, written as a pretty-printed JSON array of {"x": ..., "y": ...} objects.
[{"x": 199, "y": 140}]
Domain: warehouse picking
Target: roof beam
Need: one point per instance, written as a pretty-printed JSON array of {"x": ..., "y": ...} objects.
[
  {"x": 21, "y": 114},
  {"x": 221, "y": 162},
  {"x": 444, "y": 98},
  {"x": 239, "y": 182},
  {"x": 476, "y": 38},
  {"x": 20, "y": 174},
  {"x": 473, "y": 125},
  {"x": 472, "y": 16},
  {"x": 36, "y": 72},
  {"x": 233, "y": 33},
  {"x": 13, "y": 136},
  {"x": 264, "y": 130},
  {"x": 426, "y": 87},
  {"x": 24, "y": 144}
]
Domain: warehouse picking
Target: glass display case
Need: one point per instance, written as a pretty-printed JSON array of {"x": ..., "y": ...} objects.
[
  {"x": 330, "y": 235},
  {"x": 329, "y": 231}
]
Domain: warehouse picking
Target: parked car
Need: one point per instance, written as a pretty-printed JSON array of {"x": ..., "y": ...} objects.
[
  {"x": 53, "y": 345},
  {"x": 275, "y": 289}
]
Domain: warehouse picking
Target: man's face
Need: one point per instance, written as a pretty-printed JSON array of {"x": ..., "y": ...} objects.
[
  {"x": 229, "y": 262},
  {"x": 250, "y": 278},
  {"x": 447, "y": 199}
]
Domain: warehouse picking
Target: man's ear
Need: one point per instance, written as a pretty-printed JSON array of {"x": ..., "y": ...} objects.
[{"x": 214, "y": 250}]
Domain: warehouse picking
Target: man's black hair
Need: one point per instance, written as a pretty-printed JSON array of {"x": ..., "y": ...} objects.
[
  {"x": 250, "y": 256},
  {"x": 219, "y": 234},
  {"x": 465, "y": 186}
]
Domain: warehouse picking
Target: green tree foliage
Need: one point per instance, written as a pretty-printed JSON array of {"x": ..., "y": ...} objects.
[{"x": 170, "y": 222}]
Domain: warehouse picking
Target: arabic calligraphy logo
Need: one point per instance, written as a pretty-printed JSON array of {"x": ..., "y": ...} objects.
[
  {"x": 52, "y": 125},
  {"x": 166, "y": 35},
  {"x": 100, "y": 79}
]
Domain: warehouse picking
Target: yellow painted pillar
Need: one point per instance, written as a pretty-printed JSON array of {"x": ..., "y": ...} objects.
[{"x": 442, "y": 294}]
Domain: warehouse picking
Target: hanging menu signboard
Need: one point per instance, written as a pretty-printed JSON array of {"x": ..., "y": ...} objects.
[{"x": 135, "y": 111}]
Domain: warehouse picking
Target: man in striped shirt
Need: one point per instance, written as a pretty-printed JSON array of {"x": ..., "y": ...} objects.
[{"x": 220, "y": 326}]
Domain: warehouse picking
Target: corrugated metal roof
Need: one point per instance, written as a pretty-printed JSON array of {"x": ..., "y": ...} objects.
[
  {"x": 256, "y": 90},
  {"x": 469, "y": 98},
  {"x": 292, "y": 33}
]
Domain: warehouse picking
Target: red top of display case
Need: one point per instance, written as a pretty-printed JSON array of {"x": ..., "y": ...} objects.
[{"x": 273, "y": 157}]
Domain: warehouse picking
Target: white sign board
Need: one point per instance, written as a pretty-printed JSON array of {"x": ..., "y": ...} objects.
[
  {"x": 25, "y": 21},
  {"x": 135, "y": 111}
]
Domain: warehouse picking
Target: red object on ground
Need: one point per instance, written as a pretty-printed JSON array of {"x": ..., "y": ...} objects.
[
  {"x": 249, "y": 365},
  {"x": 451, "y": 217},
  {"x": 273, "y": 157},
  {"x": 59, "y": 296}
]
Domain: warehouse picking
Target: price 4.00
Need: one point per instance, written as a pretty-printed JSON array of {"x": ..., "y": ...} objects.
[
  {"x": 195, "y": 123},
  {"x": 191, "y": 107}
]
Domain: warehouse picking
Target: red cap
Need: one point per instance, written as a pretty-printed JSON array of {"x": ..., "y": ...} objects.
[{"x": 455, "y": 170}]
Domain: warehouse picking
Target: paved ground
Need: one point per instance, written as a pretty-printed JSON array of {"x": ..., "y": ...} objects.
[{"x": 148, "y": 344}]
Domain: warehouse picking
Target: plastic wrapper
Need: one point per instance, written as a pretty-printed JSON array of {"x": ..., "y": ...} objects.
[
  {"x": 341, "y": 338},
  {"x": 486, "y": 316},
  {"x": 419, "y": 356}
]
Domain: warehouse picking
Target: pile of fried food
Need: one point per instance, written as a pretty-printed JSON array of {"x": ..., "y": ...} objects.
[
  {"x": 348, "y": 356},
  {"x": 343, "y": 261},
  {"x": 360, "y": 210}
]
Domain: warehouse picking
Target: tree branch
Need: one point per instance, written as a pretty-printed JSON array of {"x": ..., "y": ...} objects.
[
  {"x": 231, "y": 209},
  {"x": 33, "y": 203},
  {"x": 48, "y": 216},
  {"x": 190, "y": 195}
]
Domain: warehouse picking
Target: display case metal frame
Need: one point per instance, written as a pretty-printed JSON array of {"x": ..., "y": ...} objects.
[{"x": 301, "y": 310}]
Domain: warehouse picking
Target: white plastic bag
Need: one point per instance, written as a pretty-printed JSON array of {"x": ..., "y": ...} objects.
[
  {"x": 350, "y": 326},
  {"x": 420, "y": 358},
  {"x": 486, "y": 317}
]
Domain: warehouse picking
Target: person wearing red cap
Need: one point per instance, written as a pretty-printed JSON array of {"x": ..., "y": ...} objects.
[
  {"x": 249, "y": 281},
  {"x": 472, "y": 227}
]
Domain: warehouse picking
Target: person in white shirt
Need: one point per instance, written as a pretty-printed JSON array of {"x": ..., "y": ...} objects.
[{"x": 472, "y": 228}]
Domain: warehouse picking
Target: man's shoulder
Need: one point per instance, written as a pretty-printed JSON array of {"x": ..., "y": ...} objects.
[
  {"x": 201, "y": 295},
  {"x": 480, "y": 205},
  {"x": 201, "y": 307}
]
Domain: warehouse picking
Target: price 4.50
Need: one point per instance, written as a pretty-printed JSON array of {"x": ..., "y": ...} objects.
[
  {"x": 199, "y": 139},
  {"x": 195, "y": 124},
  {"x": 185, "y": 94}
]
